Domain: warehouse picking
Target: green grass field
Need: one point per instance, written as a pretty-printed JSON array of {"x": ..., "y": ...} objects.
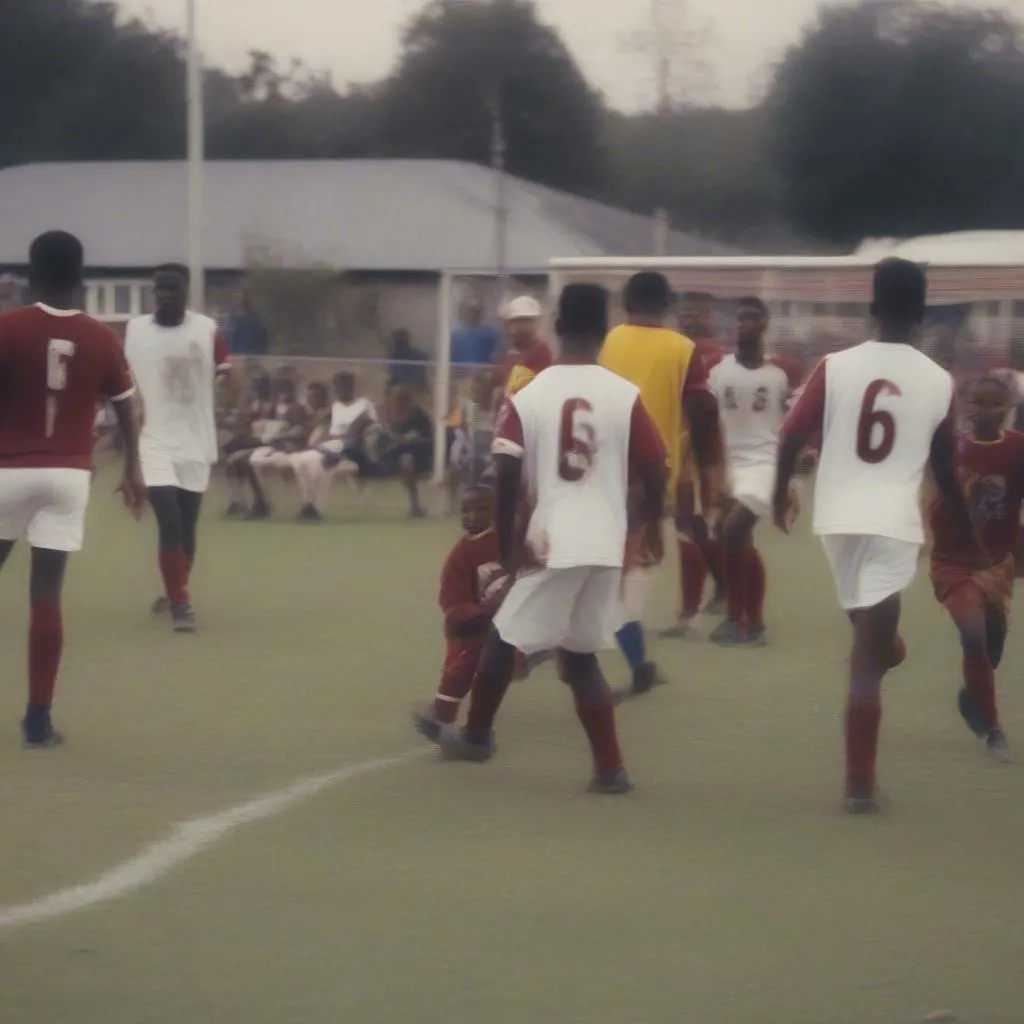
[{"x": 726, "y": 890}]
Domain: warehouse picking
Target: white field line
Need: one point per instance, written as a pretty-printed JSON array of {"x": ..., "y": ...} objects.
[{"x": 187, "y": 840}]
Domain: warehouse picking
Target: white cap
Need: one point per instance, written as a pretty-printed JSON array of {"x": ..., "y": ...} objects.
[{"x": 526, "y": 307}]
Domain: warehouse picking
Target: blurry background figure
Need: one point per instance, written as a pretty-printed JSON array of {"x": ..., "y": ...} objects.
[
  {"x": 470, "y": 460},
  {"x": 474, "y": 343},
  {"x": 407, "y": 366},
  {"x": 247, "y": 336},
  {"x": 407, "y": 450},
  {"x": 527, "y": 353},
  {"x": 13, "y": 292}
]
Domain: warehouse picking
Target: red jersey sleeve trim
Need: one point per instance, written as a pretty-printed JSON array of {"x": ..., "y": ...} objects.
[
  {"x": 508, "y": 432},
  {"x": 646, "y": 448},
  {"x": 807, "y": 417}
]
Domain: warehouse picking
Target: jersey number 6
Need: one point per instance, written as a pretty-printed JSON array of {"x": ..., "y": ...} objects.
[
  {"x": 576, "y": 440},
  {"x": 872, "y": 446},
  {"x": 58, "y": 352}
]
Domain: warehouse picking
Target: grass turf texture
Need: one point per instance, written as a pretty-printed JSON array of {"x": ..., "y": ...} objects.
[{"x": 726, "y": 890}]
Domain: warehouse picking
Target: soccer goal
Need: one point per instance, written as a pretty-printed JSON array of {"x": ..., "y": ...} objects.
[{"x": 819, "y": 304}]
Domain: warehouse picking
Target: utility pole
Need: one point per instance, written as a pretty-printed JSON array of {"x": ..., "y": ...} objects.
[
  {"x": 499, "y": 151},
  {"x": 194, "y": 161}
]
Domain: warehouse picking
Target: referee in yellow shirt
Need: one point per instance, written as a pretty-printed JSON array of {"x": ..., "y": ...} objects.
[{"x": 672, "y": 379}]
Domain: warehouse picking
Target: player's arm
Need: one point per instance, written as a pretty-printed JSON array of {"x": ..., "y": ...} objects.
[
  {"x": 119, "y": 390},
  {"x": 805, "y": 420},
  {"x": 942, "y": 464},
  {"x": 508, "y": 449},
  {"x": 647, "y": 457},
  {"x": 700, "y": 407}
]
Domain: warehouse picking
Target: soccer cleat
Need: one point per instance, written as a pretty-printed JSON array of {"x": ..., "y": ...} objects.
[
  {"x": 646, "y": 678},
  {"x": 236, "y": 510},
  {"x": 997, "y": 748},
  {"x": 426, "y": 723},
  {"x": 183, "y": 618},
  {"x": 755, "y": 638},
  {"x": 161, "y": 606},
  {"x": 860, "y": 801},
  {"x": 260, "y": 510},
  {"x": 971, "y": 713},
  {"x": 682, "y": 630},
  {"x": 38, "y": 731},
  {"x": 729, "y": 633},
  {"x": 309, "y": 514},
  {"x": 610, "y": 783},
  {"x": 457, "y": 746}
]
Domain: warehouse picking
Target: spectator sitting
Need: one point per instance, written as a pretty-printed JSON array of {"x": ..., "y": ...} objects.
[
  {"x": 470, "y": 461},
  {"x": 263, "y": 421},
  {"x": 528, "y": 352},
  {"x": 407, "y": 448},
  {"x": 341, "y": 451},
  {"x": 408, "y": 364},
  {"x": 285, "y": 435},
  {"x": 474, "y": 343}
]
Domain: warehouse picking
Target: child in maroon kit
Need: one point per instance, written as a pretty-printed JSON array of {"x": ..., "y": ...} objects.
[{"x": 473, "y": 584}]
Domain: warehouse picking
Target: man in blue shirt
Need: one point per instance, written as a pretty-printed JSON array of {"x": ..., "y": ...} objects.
[{"x": 474, "y": 343}]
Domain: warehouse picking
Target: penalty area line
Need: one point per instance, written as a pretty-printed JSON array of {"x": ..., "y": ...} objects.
[{"x": 188, "y": 839}]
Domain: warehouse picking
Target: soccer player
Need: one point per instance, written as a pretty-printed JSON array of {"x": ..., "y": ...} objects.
[
  {"x": 571, "y": 437},
  {"x": 884, "y": 412},
  {"x": 473, "y": 582},
  {"x": 977, "y": 598},
  {"x": 529, "y": 352},
  {"x": 56, "y": 366},
  {"x": 753, "y": 390},
  {"x": 672, "y": 381},
  {"x": 175, "y": 356}
]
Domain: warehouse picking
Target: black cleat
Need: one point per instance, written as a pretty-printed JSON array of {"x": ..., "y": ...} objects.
[
  {"x": 309, "y": 514},
  {"x": 259, "y": 511},
  {"x": 236, "y": 510},
  {"x": 161, "y": 606},
  {"x": 457, "y": 746},
  {"x": 183, "y": 618},
  {"x": 38, "y": 731},
  {"x": 610, "y": 783},
  {"x": 646, "y": 678},
  {"x": 729, "y": 633},
  {"x": 971, "y": 713}
]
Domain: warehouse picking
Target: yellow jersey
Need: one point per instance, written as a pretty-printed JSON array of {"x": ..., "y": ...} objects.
[{"x": 657, "y": 360}]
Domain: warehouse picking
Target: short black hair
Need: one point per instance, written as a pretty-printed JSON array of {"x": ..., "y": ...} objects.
[
  {"x": 174, "y": 268},
  {"x": 319, "y": 387},
  {"x": 583, "y": 310},
  {"x": 344, "y": 377},
  {"x": 900, "y": 291},
  {"x": 647, "y": 292},
  {"x": 56, "y": 260},
  {"x": 753, "y": 302}
]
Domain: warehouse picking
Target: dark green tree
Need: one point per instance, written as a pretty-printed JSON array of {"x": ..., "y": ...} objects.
[
  {"x": 898, "y": 118},
  {"x": 461, "y": 61}
]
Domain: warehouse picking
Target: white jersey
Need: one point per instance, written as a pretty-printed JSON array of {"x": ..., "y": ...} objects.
[
  {"x": 344, "y": 414},
  {"x": 175, "y": 370},
  {"x": 572, "y": 425},
  {"x": 752, "y": 409},
  {"x": 880, "y": 405}
]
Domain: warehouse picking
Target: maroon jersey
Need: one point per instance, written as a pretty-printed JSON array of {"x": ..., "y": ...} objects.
[
  {"x": 56, "y": 366},
  {"x": 992, "y": 475},
  {"x": 470, "y": 572}
]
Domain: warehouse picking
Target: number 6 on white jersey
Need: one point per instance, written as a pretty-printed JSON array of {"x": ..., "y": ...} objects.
[{"x": 58, "y": 353}]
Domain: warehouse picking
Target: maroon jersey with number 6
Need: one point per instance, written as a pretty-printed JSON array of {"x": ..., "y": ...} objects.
[{"x": 56, "y": 366}]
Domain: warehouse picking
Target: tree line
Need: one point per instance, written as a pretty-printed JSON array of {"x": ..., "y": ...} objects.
[{"x": 888, "y": 117}]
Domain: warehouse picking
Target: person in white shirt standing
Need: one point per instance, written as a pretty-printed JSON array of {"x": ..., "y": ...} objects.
[
  {"x": 571, "y": 438},
  {"x": 175, "y": 356},
  {"x": 753, "y": 391},
  {"x": 884, "y": 413}
]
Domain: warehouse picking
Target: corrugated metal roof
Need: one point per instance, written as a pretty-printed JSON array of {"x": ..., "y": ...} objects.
[{"x": 381, "y": 215}]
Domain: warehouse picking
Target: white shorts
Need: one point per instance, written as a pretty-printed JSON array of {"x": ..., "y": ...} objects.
[
  {"x": 159, "y": 470},
  {"x": 752, "y": 486},
  {"x": 867, "y": 569},
  {"x": 46, "y": 507},
  {"x": 576, "y": 609}
]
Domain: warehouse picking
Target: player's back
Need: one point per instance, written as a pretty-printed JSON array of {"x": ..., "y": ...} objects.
[
  {"x": 656, "y": 360},
  {"x": 576, "y": 422},
  {"x": 882, "y": 405},
  {"x": 56, "y": 366}
]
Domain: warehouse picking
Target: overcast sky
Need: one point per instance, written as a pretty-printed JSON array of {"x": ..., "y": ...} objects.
[{"x": 358, "y": 39}]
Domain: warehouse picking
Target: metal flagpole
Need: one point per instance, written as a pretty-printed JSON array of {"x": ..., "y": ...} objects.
[{"x": 194, "y": 88}]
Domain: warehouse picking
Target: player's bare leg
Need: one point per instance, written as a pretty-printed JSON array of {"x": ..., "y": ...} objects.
[
  {"x": 407, "y": 474},
  {"x": 745, "y": 582},
  {"x": 475, "y": 742},
  {"x": 172, "y": 511},
  {"x": 45, "y": 643},
  {"x": 235, "y": 475},
  {"x": 982, "y": 629},
  {"x": 874, "y": 641},
  {"x": 595, "y": 709}
]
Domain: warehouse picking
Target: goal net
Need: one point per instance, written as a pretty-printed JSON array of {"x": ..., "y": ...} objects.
[{"x": 820, "y": 304}]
